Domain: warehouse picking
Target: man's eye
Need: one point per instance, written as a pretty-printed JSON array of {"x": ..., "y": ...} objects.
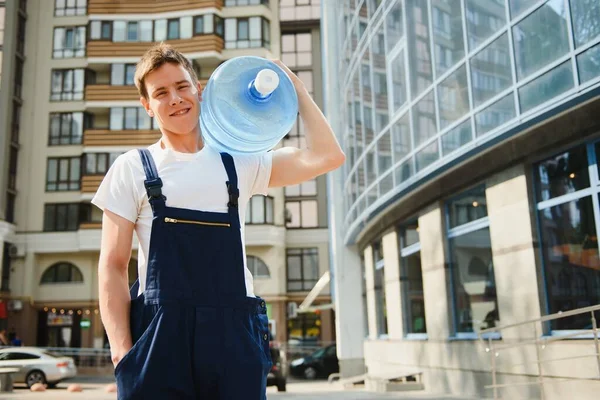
[
  {"x": 159, "y": 94},
  {"x": 183, "y": 86}
]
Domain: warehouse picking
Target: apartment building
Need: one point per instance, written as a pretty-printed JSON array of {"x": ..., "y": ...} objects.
[{"x": 80, "y": 111}]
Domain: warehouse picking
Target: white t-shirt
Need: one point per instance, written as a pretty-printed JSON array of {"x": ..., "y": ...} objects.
[{"x": 190, "y": 180}]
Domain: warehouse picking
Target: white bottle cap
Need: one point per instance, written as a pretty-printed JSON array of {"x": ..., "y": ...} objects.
[{"x": 266, "y": 81}]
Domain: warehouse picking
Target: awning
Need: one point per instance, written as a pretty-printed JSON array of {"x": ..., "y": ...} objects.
[{"x": 312, "y": 295}]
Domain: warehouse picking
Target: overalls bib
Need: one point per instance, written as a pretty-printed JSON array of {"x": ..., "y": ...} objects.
[{"x": 195, "y": 333}]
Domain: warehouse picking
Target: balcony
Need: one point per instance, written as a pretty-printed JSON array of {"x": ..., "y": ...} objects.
[
  {"x": 196, "y": 44},
  {"x": 148, "y": 6},
  {"x": 90, "y": 183},
  {"x": 105, "y": 137},
  {"x": 110, "y": 93}
]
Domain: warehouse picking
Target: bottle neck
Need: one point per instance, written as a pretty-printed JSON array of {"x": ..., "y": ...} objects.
[{"x": 256, "y": 95}]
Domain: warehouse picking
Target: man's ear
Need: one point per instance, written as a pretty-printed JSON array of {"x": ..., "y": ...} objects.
[
  {"x": 199, "y": 87},
  {"x": 146, "y": 105}
]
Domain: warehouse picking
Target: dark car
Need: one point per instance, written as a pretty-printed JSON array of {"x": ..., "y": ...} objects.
[
  {"x": 319, "y": 364},
  {"x": 278, "y": 374}
]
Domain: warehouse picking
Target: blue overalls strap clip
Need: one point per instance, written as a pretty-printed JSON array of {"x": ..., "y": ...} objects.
[{"x": 153, "y": 183}]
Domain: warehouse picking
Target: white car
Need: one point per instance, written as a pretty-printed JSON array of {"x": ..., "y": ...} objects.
[{"x": 37, "y": 365}]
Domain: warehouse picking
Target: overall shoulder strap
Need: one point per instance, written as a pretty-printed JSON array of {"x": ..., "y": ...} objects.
[
  {"x": 153, "y": 183},
  {"x": 232, "y": 187}
]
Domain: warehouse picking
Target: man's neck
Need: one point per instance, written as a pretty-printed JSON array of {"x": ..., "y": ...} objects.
[{"x": 184, "y": 143}]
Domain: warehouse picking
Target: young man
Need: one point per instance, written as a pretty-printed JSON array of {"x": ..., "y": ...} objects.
[{"x": 191, "y": 328}]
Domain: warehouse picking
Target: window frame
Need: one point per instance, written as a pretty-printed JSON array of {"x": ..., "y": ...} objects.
[
  {"x": 125, "y": 66},
  {"x": 54, "y": 269},
  {"x": 169, "y": 22},
  {"x": 76, "y": 51},
  {"x": 299, "y": 201},
  {"x": 66, "y": 7},
  {"x": 311, "y": 251},
  {"x": 102, "y": 25},
  {"x": 58, "y": 181},
  {"x": 265, "y": 200},
  {"x": 70, "y": 226},
  {"x": 62, "y": 94},
  {"x": 252, "y": 270},
  {"x": 86, "y": 123},
  {"x": 123, "y": 119}
]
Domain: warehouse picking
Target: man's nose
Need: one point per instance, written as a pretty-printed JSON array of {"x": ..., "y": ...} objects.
[{"x": 175, "y": 99}]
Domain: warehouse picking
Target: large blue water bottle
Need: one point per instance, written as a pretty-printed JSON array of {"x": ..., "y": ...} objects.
[{"x": 248, "y": 105}]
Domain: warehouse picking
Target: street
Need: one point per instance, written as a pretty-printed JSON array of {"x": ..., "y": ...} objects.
[{"x": 93, "y": 389}]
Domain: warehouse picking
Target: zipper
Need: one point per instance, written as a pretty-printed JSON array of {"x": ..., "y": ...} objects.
[{"x": 186, "y": 221}]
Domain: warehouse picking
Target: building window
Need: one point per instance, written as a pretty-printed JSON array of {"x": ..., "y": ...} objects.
[
  {"x": 473, "y": 285},
  {"x": 260, "y": 210},
  {"x": 10, "y": 206},
  {"x": 379, "y": 280},
  {"x": 59, "y": 217},
  {"x": 67, "y": 84},
  {"x": 101, "y": 30},
  {"x": 299, "y": 10},
  {"x": 566, "y": 214},
  {"x": 173, "y": 29},
  {"x": 122, "y": 74},
  {"x": 296, "y": 49},
  {"x": 98, "y": 163},
  {"x": 69, "y": 42},
  {"x": 257, "y": 267},
  {"x": 234, "y": 3},
  {"x": 66, "y": 8},
  {"x": 129, "y": 118},
  {"x": 63, "y": 174},
  {"x": 411, "y": 279},
  {"x": 62, "y": 272},
  {"x": 67, "y": 128},
  {"x": 305, "y": 329},
  {"x": 208, "y": 24},
  {"x": 301, "y": 205},
  {"x": 243, "y": 33},
  {"x": 6, "y": 267},
  {"x": 302, "y": 269}
]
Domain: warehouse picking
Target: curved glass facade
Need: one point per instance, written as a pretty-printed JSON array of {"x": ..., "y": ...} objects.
[{"x": 425, "y": 81}]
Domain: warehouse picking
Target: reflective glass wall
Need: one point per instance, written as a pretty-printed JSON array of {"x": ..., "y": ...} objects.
[{"x": 424, "y": 81}]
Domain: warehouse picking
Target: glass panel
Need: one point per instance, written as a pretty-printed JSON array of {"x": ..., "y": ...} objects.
[
  {"x": 541, "y": 38},
  {"x": 270, "y": 212},
  {"x": 119, "y": 30},
  {"x": 586, "y": 20},
  {"x": 49, "y": 217},
  {"x": 186, "y": 27},
  {"x": 63, "y": 272},
  {"x": 173, "y": 29},
  {"x": 255, "y": 28},
  {"x": 380, "y": 302},
  {"x": 294, "y": 267},
  {"x": 409, "y": 233},
  {"x": 588, "y": 64},
  {"x": 61, "y": 217},
  {"x": 453, "y": 97},
  {"x": 130, "y": 118},
  {"x": 404, "y": 171},
  {"x": 75, "y": 172},
  {"x": 54, "y": 127},
  {"x": 292, "y": 214},
  {"x": 473, "y": 281},
  {"x": 495, "y": 115},
  {"x": 309, "y": 188},
  {"x": 90, "y": 163},
  {"x": 424, "y": 119},
  {"x": 79, "y": 83},
  {"x": 199, "y": 25},
  {"x": 545, "y": 87},
  {"x": 309, "y": 214},
  {"x": 52, "y": 174},
  {"x": 447, "y": 34},
  {"x": 132, "y": 31},
  {"x": 310, "y": 265},
  {"x": 427, "y": 156},
  {"x": 401, "y": 138},
  {"x": 76, "y": 128},
  {"x": 457, "y": 137},
  {"x": 518, "y": 6},
  {"x": 467, "y": 207},
  {"x": 571, "y": 260},
  {"x": 117, "y": 74},
  {"x": 146, "y": 31},
  {"x": 490, "y": 71},
  {"x": 393, "y": 26},
  {"x": 421, "y": 74},
  {"x": 102, "y": 161},
  {"x": 116, "y": 119},
  {"x": 412, "y": 289},
  {"x": 129, "y": 74},
  {"x": 209, "y": 23},
  {"x": 95, "y": 30},
  {"x": 160, "y": 30},
  {"x": 258, "y": 210},
  {"x": 384, "y": 153},
  {"x": 562, "y": 174},
  {"x": 144, "y": 121},
  {"x": 73, "y": 217},
  {"x": 398, "y": 76},
  {"x": 484, "y": 18},
  {"x": 386, "y": 184}
]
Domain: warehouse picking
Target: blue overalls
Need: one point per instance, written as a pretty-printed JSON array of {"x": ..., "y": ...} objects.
[{"x": 195, "y": 333}]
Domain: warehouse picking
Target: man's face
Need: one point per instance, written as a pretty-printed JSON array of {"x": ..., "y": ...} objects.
[{"x": 173, "y": 98}]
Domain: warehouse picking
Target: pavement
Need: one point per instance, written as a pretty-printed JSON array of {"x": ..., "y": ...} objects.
[{"x": 93, "y": 389}]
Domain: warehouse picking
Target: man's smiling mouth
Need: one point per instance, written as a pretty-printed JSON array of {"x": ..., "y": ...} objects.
[{"x": 180, "y": 112}]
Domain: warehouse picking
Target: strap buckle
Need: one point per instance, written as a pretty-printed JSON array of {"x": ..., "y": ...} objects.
[
  {"x": 234, "y": 194},
  {"x": 153, "y": 188}
]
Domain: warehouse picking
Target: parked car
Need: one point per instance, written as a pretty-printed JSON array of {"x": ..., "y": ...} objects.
[
  {"x": 278, "y": 374},
  {"x": 319, "y": 364},
  {"x": 37, "y": 365}
]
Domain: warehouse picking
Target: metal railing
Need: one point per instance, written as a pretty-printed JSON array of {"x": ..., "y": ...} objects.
[{"x": 541, "y": 343}]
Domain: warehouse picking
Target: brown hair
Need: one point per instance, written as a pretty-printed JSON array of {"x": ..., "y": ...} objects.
[{"x": 154, "y": 58}]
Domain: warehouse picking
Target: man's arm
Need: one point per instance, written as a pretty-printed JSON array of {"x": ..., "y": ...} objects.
[
  {"x": 115, "y": 251},
  {"x": 322, "y": 153}
]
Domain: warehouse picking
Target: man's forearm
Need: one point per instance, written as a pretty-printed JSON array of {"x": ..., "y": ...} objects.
[
  {"x": 114, "y": 309},
  {"x": 320, "y": 138}
]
